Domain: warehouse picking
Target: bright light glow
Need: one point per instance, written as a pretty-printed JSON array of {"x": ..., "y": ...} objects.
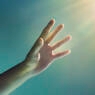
[{"x": 83, "y": 16}]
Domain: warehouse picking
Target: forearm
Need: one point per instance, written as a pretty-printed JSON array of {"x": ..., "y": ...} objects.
[
  {"x": 14, "y": 77},
  {"x": 38, "y": 59}
]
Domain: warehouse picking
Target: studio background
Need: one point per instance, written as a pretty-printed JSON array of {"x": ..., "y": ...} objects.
[{"x": 21, "y": 22}]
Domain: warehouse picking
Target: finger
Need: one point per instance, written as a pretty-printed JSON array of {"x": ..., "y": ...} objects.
[
  {"x": 61, "y": 54},
  {"x": 59, "y": 43},
  {"x": 47, "y": 29},
  {"x": 38, "y": 45},
  {"x": 52, "y": 34},
  {"x": 36, "y": 48}
]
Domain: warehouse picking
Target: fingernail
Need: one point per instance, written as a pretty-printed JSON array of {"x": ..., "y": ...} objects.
[
  {"x": 61, "y": 26},
  {"x": 69, "y": 37},
  {"x": 68, "y": 51},
  {"x": 52, "y": 21}
]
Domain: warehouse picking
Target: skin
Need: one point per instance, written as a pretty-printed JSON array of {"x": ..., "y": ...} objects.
[{"x": 37, "y": 60}]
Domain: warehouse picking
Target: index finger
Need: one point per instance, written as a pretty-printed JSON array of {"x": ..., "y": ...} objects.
[{"x": 47, "y": 29}]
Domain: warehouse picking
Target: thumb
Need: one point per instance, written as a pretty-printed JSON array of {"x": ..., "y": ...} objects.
[
  {"x": 36, "y": 48},
  {"x": 38, "y": 45}
]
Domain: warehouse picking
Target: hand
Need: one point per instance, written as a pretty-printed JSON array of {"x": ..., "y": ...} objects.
[
  {"x": 41, "y": 53},
  {"x": 38, "y": 59}
]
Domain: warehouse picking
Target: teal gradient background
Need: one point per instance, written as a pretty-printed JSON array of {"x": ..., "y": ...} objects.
[{"x": 21, "y": 22}]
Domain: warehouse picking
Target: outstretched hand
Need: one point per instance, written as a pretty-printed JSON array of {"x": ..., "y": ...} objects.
[
  {"x": 38, "y": 59},
  {"x": 41, "y": 53}
]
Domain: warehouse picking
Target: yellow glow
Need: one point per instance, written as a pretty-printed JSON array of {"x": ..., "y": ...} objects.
[{"x": 83, "y": 13}]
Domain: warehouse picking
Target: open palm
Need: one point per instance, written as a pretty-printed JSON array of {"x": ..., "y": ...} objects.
[{"x": 43, "y": 48}]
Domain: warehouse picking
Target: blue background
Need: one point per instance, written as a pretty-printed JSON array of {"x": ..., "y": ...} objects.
[{"x": 21, "y": 22}]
